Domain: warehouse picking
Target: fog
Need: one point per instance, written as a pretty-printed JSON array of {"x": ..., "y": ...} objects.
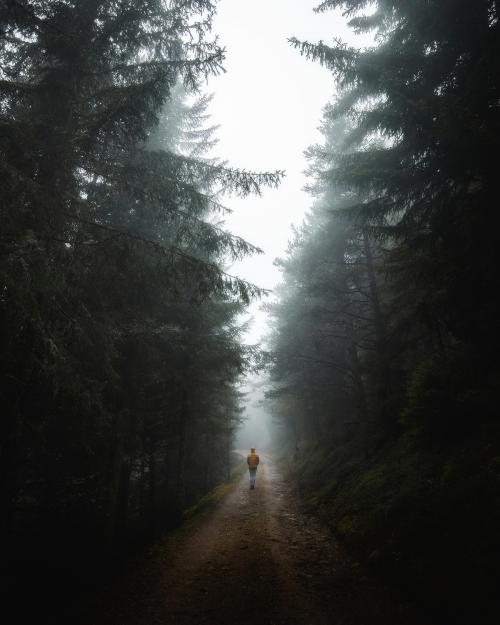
[
  {"x": 126, "y": 322},
  {"x": 255, "y": 430},
  {"x": 268, "y": 105}
]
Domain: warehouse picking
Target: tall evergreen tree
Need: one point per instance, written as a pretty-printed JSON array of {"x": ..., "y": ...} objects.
[
  {"x": 429, "y": 92},
  {"x": 117, "y": 317},
  {"x": 412, "y": 237}
]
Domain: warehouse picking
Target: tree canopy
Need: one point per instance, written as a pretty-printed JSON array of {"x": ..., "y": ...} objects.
[
  {"x": 121, "y": 351},
  {"x": 384, "y": 337}
]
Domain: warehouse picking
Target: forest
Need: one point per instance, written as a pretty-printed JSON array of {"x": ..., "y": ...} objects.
[
  {"x": 383, "y": 343},
  {"x": 123, "y": 328},
  {"x": 119, "y": 324}
]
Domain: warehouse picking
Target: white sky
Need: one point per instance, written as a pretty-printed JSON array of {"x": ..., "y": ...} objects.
[{"x": 269, "y": 105}]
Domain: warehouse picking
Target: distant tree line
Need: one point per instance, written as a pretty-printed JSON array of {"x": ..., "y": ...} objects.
[
  {"x": 384, "y": 345},
  {"x": 120, "y": 340}
]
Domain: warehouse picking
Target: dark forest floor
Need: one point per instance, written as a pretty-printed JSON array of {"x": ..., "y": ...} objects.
[{"x": 256, "y": 557}]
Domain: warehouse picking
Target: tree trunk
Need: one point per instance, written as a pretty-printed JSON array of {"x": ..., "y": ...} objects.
[
  {"x": 183, "y": 416},
  {"x": 151, "y": 482},
  {"x": 228, "y": 453},
  {"x": 316, "y": 422},
  {"x": 383, "y": 375},
  {"x": 359, "y": 387},
  {"x": 115, "y": 484},
  {"x": 379, "y": 321}
]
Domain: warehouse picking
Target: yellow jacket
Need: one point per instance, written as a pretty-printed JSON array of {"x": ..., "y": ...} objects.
[{"x": 252, "y": 460}]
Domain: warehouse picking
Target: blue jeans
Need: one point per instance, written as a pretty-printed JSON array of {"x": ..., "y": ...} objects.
[{"x": 253, "y": 475}]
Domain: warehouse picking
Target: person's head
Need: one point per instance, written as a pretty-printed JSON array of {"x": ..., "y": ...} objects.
[{"x": 252, "y": 450}]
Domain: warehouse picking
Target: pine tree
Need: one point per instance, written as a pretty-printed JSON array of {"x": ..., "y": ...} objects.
[
  {"x": 115, "y": 301},
  {"x": 415, "y": 233},
  {"x": 423, "y": 148}
]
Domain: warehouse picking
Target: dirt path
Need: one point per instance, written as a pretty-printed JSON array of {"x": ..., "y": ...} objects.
[{"x": 256, "y": 558}]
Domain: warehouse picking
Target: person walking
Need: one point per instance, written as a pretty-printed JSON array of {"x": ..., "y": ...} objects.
[{"x": 253, "y": 463}]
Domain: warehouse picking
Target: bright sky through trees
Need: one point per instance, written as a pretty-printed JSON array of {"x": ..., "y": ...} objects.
[
  {"x": 128, "y": 377},
  {"x": 269, "y": 105}
]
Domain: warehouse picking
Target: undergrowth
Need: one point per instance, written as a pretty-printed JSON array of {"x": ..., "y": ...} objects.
[{"x": 426, "y": 520}]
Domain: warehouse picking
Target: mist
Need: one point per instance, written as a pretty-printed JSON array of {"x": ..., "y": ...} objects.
[
  {"x": 229, "y": 225},
  {"x": 255, "y": 430}
]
